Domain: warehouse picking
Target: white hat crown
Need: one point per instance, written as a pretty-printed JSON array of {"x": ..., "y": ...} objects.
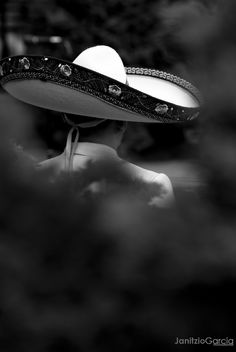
[{"x": 103, "y": 59}]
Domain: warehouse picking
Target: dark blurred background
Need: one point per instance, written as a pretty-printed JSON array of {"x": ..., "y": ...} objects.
[{"x": 80, "y": 272}]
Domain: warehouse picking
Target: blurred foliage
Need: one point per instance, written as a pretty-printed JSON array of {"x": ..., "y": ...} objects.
[
  {"x": 128, "y": 26},
  {"x": 105, "y": 272},
  {"x": 101, "y": 272},
  {"x": 135, "y": 28}
]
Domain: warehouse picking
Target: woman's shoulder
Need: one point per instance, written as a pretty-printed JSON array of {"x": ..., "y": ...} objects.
[
  {"x": 165, "y": 194},
  {"x": 145, "y": 174}
]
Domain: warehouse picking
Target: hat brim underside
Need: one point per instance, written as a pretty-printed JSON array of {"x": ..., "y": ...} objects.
[
  {"x": 61, "y": 98},
  {"x": 62, "y": 86}
]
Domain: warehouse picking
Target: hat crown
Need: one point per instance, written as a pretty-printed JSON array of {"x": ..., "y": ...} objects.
[{"x": 103, "y": 59}]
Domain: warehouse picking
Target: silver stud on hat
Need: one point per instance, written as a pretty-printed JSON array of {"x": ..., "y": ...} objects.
[
  {"x": 65, "y": 70},
  {"x": 161, "y": 109},
  {"x": 24, "y": 63},
  {"x": 114, "y": 90}
]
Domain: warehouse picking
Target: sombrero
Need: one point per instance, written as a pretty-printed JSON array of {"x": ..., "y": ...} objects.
[{"x": 97, "y": 84}]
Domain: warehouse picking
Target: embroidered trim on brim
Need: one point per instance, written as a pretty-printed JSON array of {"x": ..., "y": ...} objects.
[{"x": 120, "y": 95}]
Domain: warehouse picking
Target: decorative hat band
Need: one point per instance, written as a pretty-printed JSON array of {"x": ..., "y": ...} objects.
[{"x": 120, "y": 95}]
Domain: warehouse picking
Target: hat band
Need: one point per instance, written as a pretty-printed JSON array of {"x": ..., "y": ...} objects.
[{"x": 106, "y": 89}]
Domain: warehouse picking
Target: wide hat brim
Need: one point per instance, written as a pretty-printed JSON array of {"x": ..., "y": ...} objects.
[{"x": 63, "y": 86}]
